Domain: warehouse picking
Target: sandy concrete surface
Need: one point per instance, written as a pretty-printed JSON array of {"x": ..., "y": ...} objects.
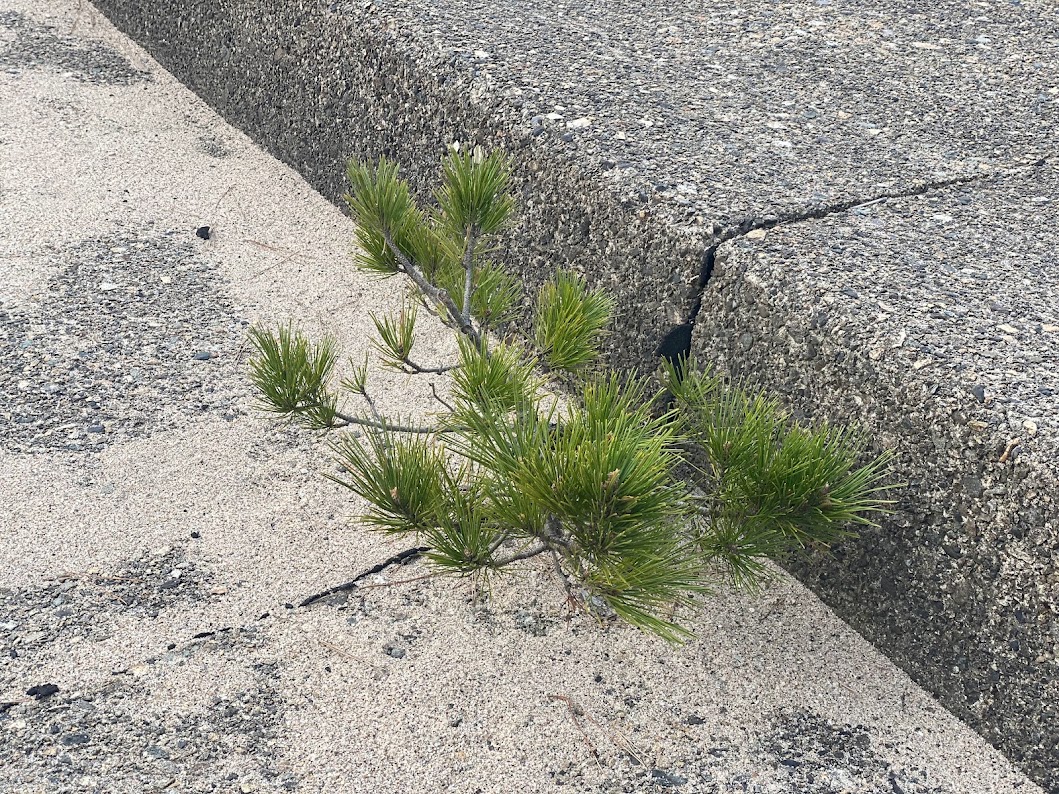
[{"x": 148, "y": 503}]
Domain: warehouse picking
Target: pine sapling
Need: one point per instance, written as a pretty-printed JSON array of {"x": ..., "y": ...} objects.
[{"x": 639, "y": 511}]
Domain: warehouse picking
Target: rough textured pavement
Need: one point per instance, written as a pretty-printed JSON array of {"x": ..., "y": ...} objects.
[
  {"x": 646, "y": 133},
  {"x": 154, "y": 529},
  {"x": 943, "y": 310}
]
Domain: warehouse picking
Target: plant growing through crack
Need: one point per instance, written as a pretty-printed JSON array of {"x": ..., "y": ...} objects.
[{"x": 637, "y": 508}]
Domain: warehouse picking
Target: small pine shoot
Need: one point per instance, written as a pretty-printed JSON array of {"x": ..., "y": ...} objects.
[{"x": 571, "y": 321}]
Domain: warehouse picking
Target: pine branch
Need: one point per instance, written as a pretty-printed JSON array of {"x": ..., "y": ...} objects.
[
  {"x": 532, "y": 551},
  {"x": 417, "y": 369},
  {"x": 438, "y": 295},
  {"x": 468, "y": 269},
  {"x": 557, "y": 564},
  {"x": 437, "y": 397},
  {"x": 382, "y": 424}
]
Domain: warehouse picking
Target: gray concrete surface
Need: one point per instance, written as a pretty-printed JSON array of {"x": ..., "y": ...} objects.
[
  {"x": 645, "y": 134},
  {"x": 932, "y": 322},
  {"x": 147, "y": 568},
  {"x": 698, "y": 115}
]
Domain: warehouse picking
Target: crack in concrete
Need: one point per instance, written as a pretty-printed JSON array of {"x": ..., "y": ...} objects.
[{"x": 677, "y": 341}]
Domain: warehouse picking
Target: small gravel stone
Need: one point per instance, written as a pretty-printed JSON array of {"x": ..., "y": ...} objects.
[{"x": 41, "y": 691}]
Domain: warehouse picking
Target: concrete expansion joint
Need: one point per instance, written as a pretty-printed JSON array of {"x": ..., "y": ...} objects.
[{"x": 677, "y": 341}]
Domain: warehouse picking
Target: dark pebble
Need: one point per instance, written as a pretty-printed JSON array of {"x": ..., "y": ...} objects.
[
  {"x": 978, "y": 391},
  {"x": 96, "y": 428},
  {"x": 202, "y": 355},
  {"x": 667, "y": 780},
  {"x": 695, "y": 719},
  {"x": 41, "y": 691},
  {"x": 74, "y": 739},
  {"x": 195, "y": 535},
  {"x": 203, "y": 232}
]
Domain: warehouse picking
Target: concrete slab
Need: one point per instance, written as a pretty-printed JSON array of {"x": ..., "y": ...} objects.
[
  {"x": 933, "y": 322},
  {"x": 721, "y": 111},
  {"x": 147, "y": 575},
  {"x": 641, "y": 131}
]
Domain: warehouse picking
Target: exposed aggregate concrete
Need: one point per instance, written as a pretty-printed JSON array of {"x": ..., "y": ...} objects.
[
  {"x": 128, "y": 326},
  {"x": 114, "y": 739},
  {"x": 83, "y": 605}
]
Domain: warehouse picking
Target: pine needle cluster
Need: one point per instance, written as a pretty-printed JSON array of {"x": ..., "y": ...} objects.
[{"x": 638, "y": 509}]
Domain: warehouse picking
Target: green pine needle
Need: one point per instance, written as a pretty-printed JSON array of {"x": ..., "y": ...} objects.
[
  {"x": 474, "y": 194},
  {"x": 357, "y": 379},
  {"x": 773, "y": 486},
  {"x": 496, "y": 292},
  {"x": 291, "y": 375},
  {"x": 405, "y": 480},
  {"x": 463, "y": 538},
  {"x": 660, "y": 577},
  {"x": 382, "y": 206},
  {"x": 570, "y": 322},
  {"x": 494, "y": 381},
  {"x": 396, "y": 336}
]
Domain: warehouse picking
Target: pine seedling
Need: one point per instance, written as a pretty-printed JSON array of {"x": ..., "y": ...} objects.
[{"x": 587, "y": 479}]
